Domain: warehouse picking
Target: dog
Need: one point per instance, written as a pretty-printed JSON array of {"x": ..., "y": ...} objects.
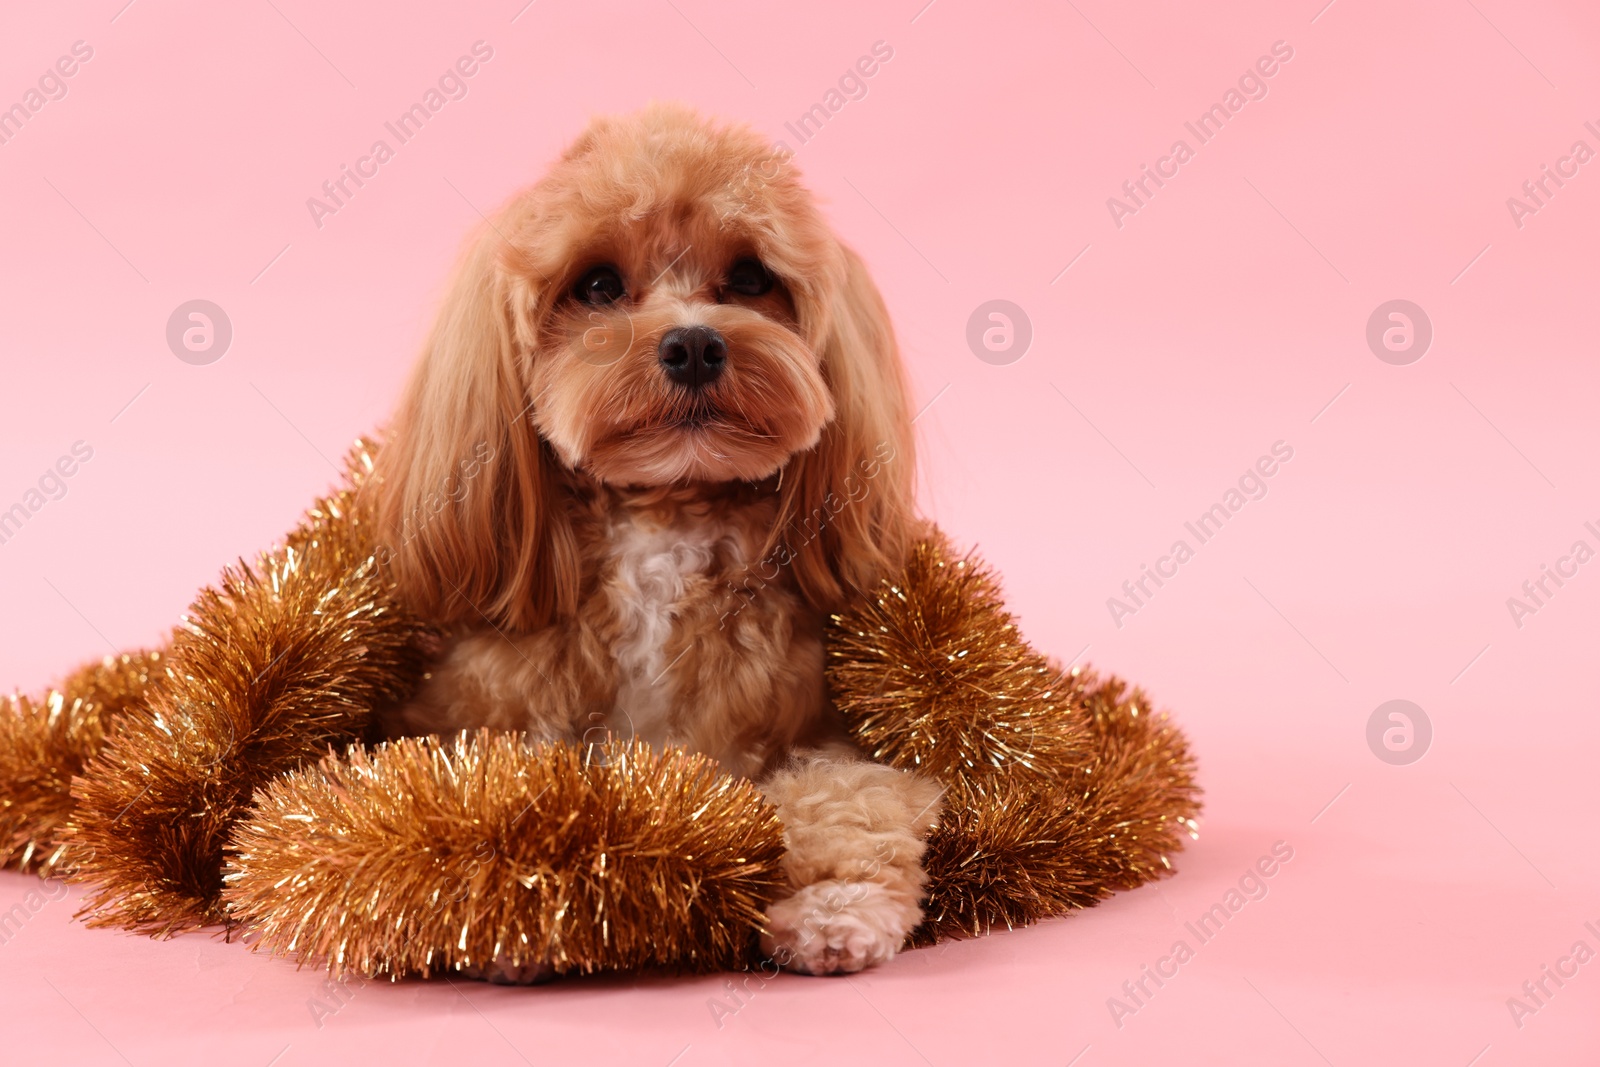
[{"x": 659, "y": 431}]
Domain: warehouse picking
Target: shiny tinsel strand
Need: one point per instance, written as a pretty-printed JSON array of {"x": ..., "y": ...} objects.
[
  {"x": 46, "y": 740},
  {"x": 272, "y": 666},
  {"x": 427, "y": 857},
  {"x": 1063, "y": 788},
  {"x": 1010, "y": 852},
  {"x": 933, "y": 676}
]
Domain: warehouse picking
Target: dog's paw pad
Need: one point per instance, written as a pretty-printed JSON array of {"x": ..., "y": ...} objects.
[{"x": 837, "y": 927}]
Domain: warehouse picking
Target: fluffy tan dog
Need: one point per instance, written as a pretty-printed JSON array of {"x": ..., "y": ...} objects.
[{"x": 659, "y": 431}]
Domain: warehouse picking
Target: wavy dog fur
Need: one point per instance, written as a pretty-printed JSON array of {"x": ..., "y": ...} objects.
[{"x": 641, "y": 557}]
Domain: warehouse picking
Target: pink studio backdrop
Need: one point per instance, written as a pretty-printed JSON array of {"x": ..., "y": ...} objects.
[{"x": 1173, "y": 342}]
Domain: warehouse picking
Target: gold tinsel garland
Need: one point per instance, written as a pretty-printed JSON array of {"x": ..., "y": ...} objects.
[
  {"x": 932, "y": 676},
  {"x": 270, "y": 668},
  {"x": 427, "y": 857},
  {"x": 44, "y": 742},
  {"x": 1010, "y": 853},
  {"x": 1062, "y": 788}
]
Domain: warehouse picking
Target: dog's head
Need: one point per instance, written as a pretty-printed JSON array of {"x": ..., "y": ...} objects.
[{"x": 666, "y": 307}]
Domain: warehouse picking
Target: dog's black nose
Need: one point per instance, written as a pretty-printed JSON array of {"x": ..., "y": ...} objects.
[{"x": 693, "y": 356}]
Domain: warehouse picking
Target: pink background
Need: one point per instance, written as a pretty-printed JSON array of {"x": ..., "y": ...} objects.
[{"x": 1223, "y": 317}]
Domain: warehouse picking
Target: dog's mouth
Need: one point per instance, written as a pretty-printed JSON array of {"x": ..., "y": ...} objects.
[
  {"x": 696, "y": 439},
  {"x": 703, "y": 423},
  {"x": 700, "y": 415}
]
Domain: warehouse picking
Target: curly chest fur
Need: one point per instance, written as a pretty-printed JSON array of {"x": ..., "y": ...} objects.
[
  {"x": 685, "y": 635},
  {"x": 706, "y": 651},
  {"x": 659, "y": 580}
]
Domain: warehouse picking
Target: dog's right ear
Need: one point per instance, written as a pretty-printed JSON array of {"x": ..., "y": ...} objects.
[
  {"x": 847, "y": 508},
  {"x": 472, "y": 520}
]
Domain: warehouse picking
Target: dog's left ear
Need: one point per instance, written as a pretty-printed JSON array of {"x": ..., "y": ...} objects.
[
  {"x": 847, "y": 507},
  {"x": 472, "y": 520}
]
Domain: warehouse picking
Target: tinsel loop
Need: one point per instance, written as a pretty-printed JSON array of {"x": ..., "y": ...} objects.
[
  {"x": 272, "y": 666},
  {"x": 45, "y": 741},
  {"x": 933, "y": 676},
  {"x": 1062, "y": 788},
  {"x": 426, "y": 857},
  {"x": 145, "y": 774}
]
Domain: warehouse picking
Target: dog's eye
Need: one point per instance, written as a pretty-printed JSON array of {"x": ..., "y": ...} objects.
[
  {"x": 748, "y": 277},
  {"x": 599, "y": 285}
]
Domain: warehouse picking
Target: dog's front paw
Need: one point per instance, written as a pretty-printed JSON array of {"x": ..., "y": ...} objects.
[{"x": 838, "y": 927}]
